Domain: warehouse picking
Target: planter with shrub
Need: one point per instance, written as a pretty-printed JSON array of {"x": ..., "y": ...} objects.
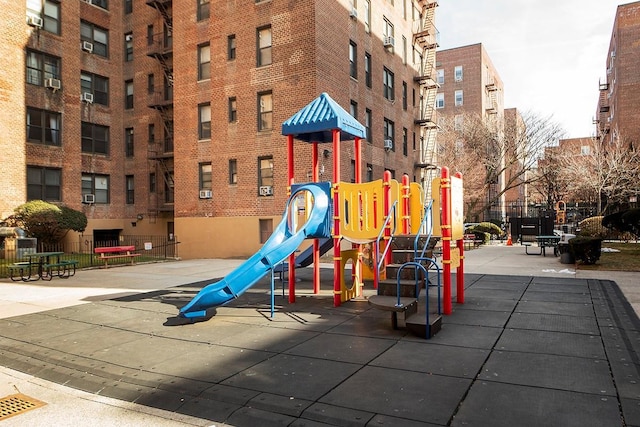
[{"x": 586, "y": 250}]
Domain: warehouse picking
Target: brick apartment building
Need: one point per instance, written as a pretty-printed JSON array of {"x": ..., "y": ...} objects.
[
  {"x": 470, "y": 87},
  {"x": 618, "y": 110},
  {"x": 163, "y": 116}
]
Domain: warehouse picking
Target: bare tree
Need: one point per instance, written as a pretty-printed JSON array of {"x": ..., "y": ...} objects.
[
  {"x": 495, "y": 154},
  {"x": 606, "y": 173}
]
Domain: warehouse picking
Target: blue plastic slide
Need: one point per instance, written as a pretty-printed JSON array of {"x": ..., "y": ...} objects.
[{"x": 282, "y": 243}]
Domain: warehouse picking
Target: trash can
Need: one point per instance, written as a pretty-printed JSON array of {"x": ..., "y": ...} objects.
[{"x": 566, "y": 257}]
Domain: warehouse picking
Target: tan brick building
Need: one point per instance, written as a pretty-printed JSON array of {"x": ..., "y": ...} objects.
[{"x": 163, "y": 116}]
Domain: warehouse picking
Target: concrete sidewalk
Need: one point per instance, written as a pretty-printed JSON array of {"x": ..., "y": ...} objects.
[{"x": 108, "y": 332}]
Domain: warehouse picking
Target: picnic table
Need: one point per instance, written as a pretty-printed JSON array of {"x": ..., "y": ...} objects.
[
  {"x": 109, "y": 252},
  {"x": 543, "y": 243},
  {"x": 42, "y": 265}
]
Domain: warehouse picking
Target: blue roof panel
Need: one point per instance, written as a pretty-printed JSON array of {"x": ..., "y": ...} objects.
[{"x": 316, "y": 121}]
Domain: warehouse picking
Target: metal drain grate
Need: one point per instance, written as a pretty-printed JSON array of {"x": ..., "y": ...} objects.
[{"x": 17, "y": 404}]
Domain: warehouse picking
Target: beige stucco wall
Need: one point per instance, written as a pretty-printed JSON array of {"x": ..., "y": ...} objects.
[{"x": 223, "y": 237}]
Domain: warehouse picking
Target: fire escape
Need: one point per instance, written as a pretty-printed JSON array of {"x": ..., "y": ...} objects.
[
  {"x": 160, "y": 154},
  {"x": 603, "y": 120},
  {"x": 425, "y": 36},
  {"x": 492, "y": 97}
]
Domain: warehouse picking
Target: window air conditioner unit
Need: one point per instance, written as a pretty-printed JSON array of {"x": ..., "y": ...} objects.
[
  {"x": 266, "y": 190},
  {"x": 52, "y": 84},
  {"x": 388, "y": 144},
  {"x": 128, "y": 37},
  {"x": 87, "y": 97},
  {"x": 87, "y": 46},
  {"x": 88, "y": 198},
  {"x": 206, "y": 194},
  {"x": 353, "y": 13},
  {"x": 388, "y": 41},
  {"x": 35, "y": 21}
]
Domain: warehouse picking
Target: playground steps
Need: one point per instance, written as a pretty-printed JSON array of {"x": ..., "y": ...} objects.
[
  {"x": 410, "y": 303},
  {"x": 416, "y": 323}
]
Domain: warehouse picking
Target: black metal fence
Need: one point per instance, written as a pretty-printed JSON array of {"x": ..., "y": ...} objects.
[{"x": 151, "y": 248}]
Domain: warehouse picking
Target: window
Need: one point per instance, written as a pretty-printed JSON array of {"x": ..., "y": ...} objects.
[
  {"x": 231, "y": 47},
  {"x": 44, "y": 184},
  {"x": 265, "y": 174},
  {"x": 233, "y": 110},
  {"x": 128, "y": 47},
  {"x": 367, "y": 69},
  {"x": 404, "y": 96},
  {"x": 100, "y": 3},
  {"x": 233, "y": 171},
  {"x": 43, "y": 127},
  {"x": 50, "y": 14},
  {"x": 353, "y": 170},
  {"x": 458, "y": 98},
  {"x": 440, "y": 100},
  {"x": 128, "y": 100},
  {"x": 353, "y": 109},
  {"x": 205, "y": 176},
  {"x": 169, "y": 187},
  {"x": 41, "y": 66},
  {"x": 387, "y": 28},
  {"x": 369, "y": 172},
  {"x": 367, "y": 16},
  {"x": 203, "y": 9},
  {"x": 98, "y": 185},
  {"x": 387, "y": 81},
  {"x": 367, "y": 125},
  {"x": 149, "y": 35},
  {"x": 458, "y": 121},
  {"x": 404, "y": 50},
  {"x": 405, "y": 141},
  {"x": 128, "y": 142},
  {"x": 414, "y": 141},
  {"x": 353, "y": 60},
  {"x": 389, "y": 132},
  {"x": 97, "y": 85},
  {"x": 264, "y": 46},
  {"x": 152, "y": 182},
  {"x": 204, "y": 62},
  {"x": 204, "y": 121},
  {"x": 266, "y": 229},
  {"x": 95, "y": 138},
  {"x": 151, "y": 132},
  {"x": 440, "y": 76},
  {"x": 457, "y": 73},
  {"x": 265, "y": 111},
  {"x": 129, "y": 190},
  {"x": 128, "y": 6},
  {"x": 151, "y": 84},
  {"x": 99, "y": 37}
]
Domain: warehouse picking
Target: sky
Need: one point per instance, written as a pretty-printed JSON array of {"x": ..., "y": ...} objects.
[{"x": 550, "y": 54}]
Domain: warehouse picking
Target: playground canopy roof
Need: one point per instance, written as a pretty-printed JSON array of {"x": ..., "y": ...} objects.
[{"x": 316, "y": 121}]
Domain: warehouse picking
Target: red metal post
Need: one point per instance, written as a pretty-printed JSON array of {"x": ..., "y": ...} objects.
[
  {"x": 460, "y": 270},
  {"x": 337, "y": 273},
  {"x": 445, "y": 203},
  {"x": 291, "y": 179},
  {"x": 405, "y": 204},
  {"x": 316, "y": 244},
  {"x": 387, "y": 210}
]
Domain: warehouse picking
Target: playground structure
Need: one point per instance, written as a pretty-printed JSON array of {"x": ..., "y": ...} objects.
[{"x": 370, "y": 214}]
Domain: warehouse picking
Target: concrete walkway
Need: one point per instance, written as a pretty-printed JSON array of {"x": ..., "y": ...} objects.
[{"x": 534, "y": 344}]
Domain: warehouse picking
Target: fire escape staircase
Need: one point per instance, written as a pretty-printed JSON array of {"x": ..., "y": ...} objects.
[
  {"x": 425, "y": 36},
  {"x": 160, "y": 153}
]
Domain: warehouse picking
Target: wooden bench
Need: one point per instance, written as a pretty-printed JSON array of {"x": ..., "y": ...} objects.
[
  {"x": 110, "y": 252},
  {"x": 471, "y": 239}
]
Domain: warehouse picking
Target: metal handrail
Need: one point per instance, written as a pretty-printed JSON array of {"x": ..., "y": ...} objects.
[
  {"x": 427, "y": 214},
  {"x": 376, "y": 247}
]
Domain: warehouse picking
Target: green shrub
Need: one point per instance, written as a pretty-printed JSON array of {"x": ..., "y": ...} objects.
[
  {"x": 489, "y": 228},
  {"x": 592, "y": 227},
  {"x": 586, "y": 250}
]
